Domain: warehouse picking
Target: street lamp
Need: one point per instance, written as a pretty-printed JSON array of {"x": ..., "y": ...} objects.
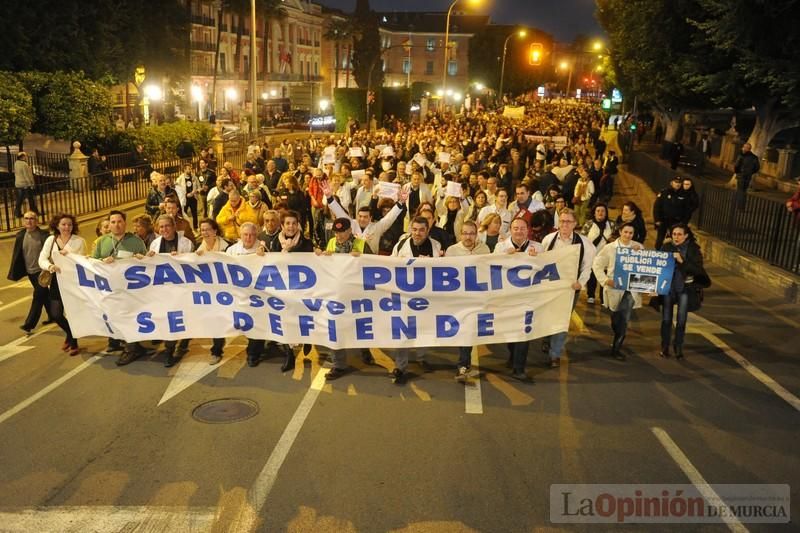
[
  {"x": 323, "y": 105},
  {"x": 153, "y": 92},
  {"x": 231, "y": 95},
  {"x": 520, "y": 33},
  {"x": 447, "y": 42},
  {"x": 253, "y": 68},
  {"x": 197, "y": 97},
  {"x": 564, "y": 66}
]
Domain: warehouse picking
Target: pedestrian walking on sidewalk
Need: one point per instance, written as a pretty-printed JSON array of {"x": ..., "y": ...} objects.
[
  {"x": 746, "y": 167},
  {"x": 25, "y": 184}
]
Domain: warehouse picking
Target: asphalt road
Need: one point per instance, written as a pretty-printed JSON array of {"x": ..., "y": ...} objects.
[{"x": 87, "y": 446}]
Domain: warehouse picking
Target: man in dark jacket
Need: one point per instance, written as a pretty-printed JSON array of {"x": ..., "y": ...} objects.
[
  {"x": 746, "y": 166},
  {"x": 25, "y": 262},
  {"x": 668, "y": 209}
]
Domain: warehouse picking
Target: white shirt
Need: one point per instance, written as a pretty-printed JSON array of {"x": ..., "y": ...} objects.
[
  {"x": 588, "y": 252},
  {"x": 238, "y": 248},
  {"x": 503, "y": 247},
  {"x": 184, "y": 245},
  {"x": 603, "y": 268},
  {"x": 374, "y": 230},
  {"x": 75, "y": 245}
]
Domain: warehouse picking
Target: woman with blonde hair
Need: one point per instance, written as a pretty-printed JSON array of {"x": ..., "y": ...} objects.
[{"x": 489, "y": 230}]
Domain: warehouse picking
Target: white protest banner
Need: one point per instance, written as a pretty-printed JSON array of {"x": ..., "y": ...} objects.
[
  {"x": 443, "y": 157},
  {"x": 357, "y": 174},
  {"x": 453, "y": 188},
  {"x": 388, "y": 189},
  {"x": 559, "y": 141},
  {"x": 340, "y": 301},
  {"x": 420, "y": 158},
  {"x": 355, "y": 151},
  {"x": 648, "y": 271},
  {"x": 516, "y": 112}
]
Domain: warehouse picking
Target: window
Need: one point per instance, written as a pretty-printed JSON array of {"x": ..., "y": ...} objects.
[
  {"x": 452, "y": 68},
  {"x": 406, "y": 66},
  {"x": 429, "y": 67},
  {"x": 430, "y": 45},
  {"x": 222, "y": 62}
]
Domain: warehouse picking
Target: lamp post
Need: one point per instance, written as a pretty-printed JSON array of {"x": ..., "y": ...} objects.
[
  {"x": 197, "y": 96},
  {"x": 253, "y": 69},
  {"x": 564, "y": 66},
  {"x": 520, "y": 33},
  {"x": 447, "y": 44}
]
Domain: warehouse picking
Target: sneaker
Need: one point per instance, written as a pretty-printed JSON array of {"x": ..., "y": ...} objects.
[
  {"x": 425, "y": 366},
  {"x": 462, "y": 374},
  {"x": 399, "y": 376},
  {"x": 589, "y": 300},
  {"x": 215, "y": 359},
  {"x": 335, "y": 373},
  {"x": 128, "y": 356},
  {"x": 519, "y": 375}
]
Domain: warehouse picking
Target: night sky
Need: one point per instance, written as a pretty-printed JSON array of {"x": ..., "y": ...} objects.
[{"x": 564, "y": 19}]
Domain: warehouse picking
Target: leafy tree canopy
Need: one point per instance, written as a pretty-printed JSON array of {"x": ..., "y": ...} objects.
[{"x": 16, "y": 110}]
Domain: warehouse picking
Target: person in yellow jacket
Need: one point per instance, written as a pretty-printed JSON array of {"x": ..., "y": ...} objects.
[
  {"x": 344, "y": 243},
  {"x": 233, "y": 214}
]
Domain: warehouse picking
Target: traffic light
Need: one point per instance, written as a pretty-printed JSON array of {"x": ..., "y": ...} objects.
[
  {"x": 535, "y": 54},
  {"x": 633, "y": 126}
]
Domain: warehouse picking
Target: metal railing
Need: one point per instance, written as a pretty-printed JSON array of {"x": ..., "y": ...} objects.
[{"x": 764, "y": 228}]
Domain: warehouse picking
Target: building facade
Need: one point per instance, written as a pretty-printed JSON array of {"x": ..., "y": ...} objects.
[{"x": 288, "y": 58}]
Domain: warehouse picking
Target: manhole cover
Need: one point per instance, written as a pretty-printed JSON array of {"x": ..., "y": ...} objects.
[{"x": 225, "y": 411}]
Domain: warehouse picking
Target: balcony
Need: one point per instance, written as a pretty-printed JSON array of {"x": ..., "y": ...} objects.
[
  {"x": 277, "y": 76},
  {"x": 202, "y": 71},
  {"x": 202, "y": 21},
  {"x": 203, "y": 46}
]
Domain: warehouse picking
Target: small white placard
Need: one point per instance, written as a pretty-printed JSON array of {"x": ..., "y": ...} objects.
[
  {"x": 388, "y": 189},
  {"x": 358, "y": 174},
  {"x": 356, "y": 151},
  {"x": 443, "y": 157},
  {"x": 453, "y": 189}
]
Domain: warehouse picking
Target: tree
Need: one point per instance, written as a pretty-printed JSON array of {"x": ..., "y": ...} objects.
[
  {"x": 366, "y": 47},
  {"x": 655, "y": 51},
  {"x": 68, "y": 105},
  {"x": 101, "y": 38},
  {"x": 16, "y": 112},
  {"x": 758, "y": 42},
  {"x": 339, "y": 31}
]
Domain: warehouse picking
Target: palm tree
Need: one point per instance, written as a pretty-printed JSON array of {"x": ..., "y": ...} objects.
[
  {"x": 338, "y": 31},
  {"x": 272, "y": 10}
]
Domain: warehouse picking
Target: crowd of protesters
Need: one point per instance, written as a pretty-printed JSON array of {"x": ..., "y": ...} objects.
[{"x": 473, "y": 184}]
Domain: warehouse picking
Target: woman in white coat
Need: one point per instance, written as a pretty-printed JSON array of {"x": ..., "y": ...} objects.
[
  {"x": 64, "y": 240},
  {"x": 621, "y": 303}
]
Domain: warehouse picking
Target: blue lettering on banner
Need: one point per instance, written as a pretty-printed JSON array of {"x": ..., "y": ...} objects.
[
  {"x": 242, "y": 321},
  {"x": 240, "y": 276},
  {"x": 647, "y": 271},
  {"x": 135, "y": 276},
  {"x": 99, "y": 282},
  {"x": 364, "y": 329},
  {"x": 485, "y": 324},
  {"x": 306, "y": 323},
  {"x": 146, "y": 324},
  {"x": 166, "y": 274},
  {"x": 256, "y": 301},
  {"x": 332, "y": 330},
  {"x": 446, "y": 326},
  {"x": 445, "y": 279},
  {"x": 275, "y": 324},
  {"x": 175, "y": 321},
  {"x": 276, "y": 303},
  {"x": 409, "y": 329}
]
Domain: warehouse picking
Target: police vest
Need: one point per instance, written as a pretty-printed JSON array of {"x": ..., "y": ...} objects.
[{"x": 358, "y": 245}]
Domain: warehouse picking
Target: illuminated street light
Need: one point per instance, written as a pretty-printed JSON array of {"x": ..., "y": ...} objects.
[
  {"x": 264, "y": 96},
  {"x": 597, "y": 45},
  {"x": 439, "y": 92},
  {"x": 153, "y": 93},
  {"x": 197, "y": 97},
  {"x": 323, "y": 105},
  {"x": 231, "y": 94},
  {"x": 457, "y": 97},
  {"x": 447, "y": 38},
  {"x": 479, "y": 86},
  {"x": 273, "y": 93}
]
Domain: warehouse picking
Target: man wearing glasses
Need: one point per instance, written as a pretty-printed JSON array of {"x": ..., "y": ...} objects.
[
  {"x": 25, "y": 262},
  {"x": 567, "y": 236},
  {"x": 468, "y": 245}
]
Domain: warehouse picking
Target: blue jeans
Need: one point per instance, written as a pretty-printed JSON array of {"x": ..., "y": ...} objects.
[
  {"x": 621, "y": 317},
  {"x": 682, "y": 300},
  {"x": 558, "y": 340}
]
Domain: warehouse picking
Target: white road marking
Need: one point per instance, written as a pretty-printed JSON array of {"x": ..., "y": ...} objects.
[
  {"x": 109, "y": 518},
  {"x": 16, "y": 347},
  {"x": 259, "y": 493},
  {"x": 695, "y": 477},
  {"x": 710, "y": 330},
  {"x": 17, "y": 285},
  {"x": 473, "y": 402},
  {"x": 54, "y": 385},
  {"x": 754, "y": 371},
  {"x": 15, "y": 302},
  {"x": 191, "y": 369}
]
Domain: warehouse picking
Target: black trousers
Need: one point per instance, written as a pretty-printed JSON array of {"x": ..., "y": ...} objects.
[
  {"x": 41, "y": 299},
  {"x": 57, "y": 311}
]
